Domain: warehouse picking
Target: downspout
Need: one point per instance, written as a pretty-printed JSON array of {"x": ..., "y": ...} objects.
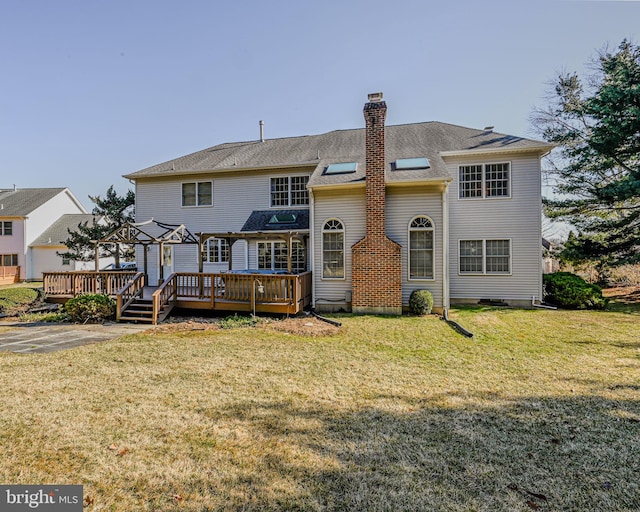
[
  {"x": 312, "y": 237},
  {"x": 445, "y": 247}
]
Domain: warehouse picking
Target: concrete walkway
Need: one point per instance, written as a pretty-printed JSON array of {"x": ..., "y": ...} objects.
[{"x": 27, "y": 338}]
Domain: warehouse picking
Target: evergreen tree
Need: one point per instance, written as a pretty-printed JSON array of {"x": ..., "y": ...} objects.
[
  {"x": 113, "y": 211},
  {"x": 596, "y": 124}
]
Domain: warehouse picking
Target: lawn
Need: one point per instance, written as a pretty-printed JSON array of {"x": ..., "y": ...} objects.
[{"x": 539, "y": 411}]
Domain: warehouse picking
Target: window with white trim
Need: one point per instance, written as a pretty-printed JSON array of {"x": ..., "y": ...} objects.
[
  {"x": 6, "y": 228},
  {"x": 421, "y": 248},
  {"x": 273, "y": 256},
  {"x": 215, "y": 250},
  {"x": 289, "y": 191},
  {"x": 485, "y": 256},
  {"x": 197, "y": 193},
  {"x": 484, "y": 180},
  {"x": 333, "y": 249},
  {"x": 8, "y": 260}
]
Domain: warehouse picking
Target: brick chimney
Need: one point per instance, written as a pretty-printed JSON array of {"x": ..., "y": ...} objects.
[{"x": 376, "y": 279}]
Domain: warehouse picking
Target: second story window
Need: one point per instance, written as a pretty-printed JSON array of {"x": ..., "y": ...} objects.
[
  {"x": 197, "y": 193},
  {"x": 6, "y": 228},
  {"x": 484, "y": 180},
  {"x": 289, "y": 191}
]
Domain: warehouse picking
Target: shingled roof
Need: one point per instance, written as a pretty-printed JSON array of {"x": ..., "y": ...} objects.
[
  {"x": 430, "y": 140},
  {"x": 57, "y": 233},
  {"x": 21, "y": 202}
]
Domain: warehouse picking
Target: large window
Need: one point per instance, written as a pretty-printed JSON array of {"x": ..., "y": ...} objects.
[
  {"x": 273, "y": 256},
  {"x": 421, "y": 248},
  {"x": 198, "y": 193},
  {"x": 8, "y": 260},
  {"x": 6, "y": 228},
  {"x": 484, "y": 180},
  {"x": 289, "y": 191},
  {"x": 485, "y": 256},
  {"x": 216, "y": 250},
  {"x": 333, "y": 249}
]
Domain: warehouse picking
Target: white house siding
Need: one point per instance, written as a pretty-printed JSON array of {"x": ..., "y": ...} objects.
[
  {"x": 403, "y": 204},
  {"x": 517, "y": 218},
  {"x": 349, "y": 207},
  {"x": 46, "y": 259},
  {"x": 14, "y": 244},
  {"x": 235, "y": 196},
  {"x": 41, "y": 218}
]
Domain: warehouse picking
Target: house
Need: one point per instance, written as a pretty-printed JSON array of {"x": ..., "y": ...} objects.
[
  {"x": 25, "y": 214},
  {"x": 45, "y": 248},
  {"x": 374, "y": 213}
]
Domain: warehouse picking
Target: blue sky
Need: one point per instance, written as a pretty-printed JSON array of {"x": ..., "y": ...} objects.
[{"x": 91, "y": 90}]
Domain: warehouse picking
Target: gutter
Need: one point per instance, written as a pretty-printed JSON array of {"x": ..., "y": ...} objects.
[{"x": 312, "y": 255}]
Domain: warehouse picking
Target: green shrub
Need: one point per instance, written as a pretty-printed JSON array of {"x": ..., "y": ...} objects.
[
  {"x": 567, "y": 290},
  {"x": 92, "y": 308},
  {"x": 420, "y": 302},
  {"x": 234, "y": 321}
]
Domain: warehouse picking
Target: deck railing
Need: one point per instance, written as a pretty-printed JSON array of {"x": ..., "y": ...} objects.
[
  {"x": 130, "y": 292},
  {"x": 9, "y": 274},
  {"x": 163, "y": 298},
  {"x": 70, "y": 284}
]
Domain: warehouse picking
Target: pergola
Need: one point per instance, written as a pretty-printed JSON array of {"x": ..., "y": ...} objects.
[
  {"x": 131, "y": 234},
  {"x": 174, "y": 234}
]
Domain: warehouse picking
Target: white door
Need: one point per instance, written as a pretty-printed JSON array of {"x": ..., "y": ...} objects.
[{"x": 166, "y": 262}]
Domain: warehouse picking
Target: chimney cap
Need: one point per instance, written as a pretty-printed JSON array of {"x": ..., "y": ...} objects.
[{"x": 375, "y": 97}]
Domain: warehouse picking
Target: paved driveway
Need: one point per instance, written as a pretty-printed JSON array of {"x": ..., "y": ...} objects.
[{"x": 41, "y": 338}]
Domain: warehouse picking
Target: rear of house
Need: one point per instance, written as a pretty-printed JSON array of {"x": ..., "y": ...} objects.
[{"x": 373, "y": 213}]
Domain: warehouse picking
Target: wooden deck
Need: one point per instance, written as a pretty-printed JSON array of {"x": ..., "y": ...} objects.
[
  {"x": 9, "y": 274},
  {"x": 259, "y": 293}
]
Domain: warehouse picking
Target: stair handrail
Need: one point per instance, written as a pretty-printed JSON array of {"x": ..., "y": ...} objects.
[
  {"x": 128, "y": 293},
  {"x": 166, "y": 292}
]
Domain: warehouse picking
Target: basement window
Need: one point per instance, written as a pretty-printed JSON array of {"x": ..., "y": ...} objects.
[
  {"x": 341, "y": 168},
  {"x": 411, "y": 164}
]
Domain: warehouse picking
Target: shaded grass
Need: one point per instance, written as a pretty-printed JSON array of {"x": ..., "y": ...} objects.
[{"x": 540, "y": 409}]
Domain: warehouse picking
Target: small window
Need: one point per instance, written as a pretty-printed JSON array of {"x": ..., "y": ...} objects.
[
  {"x": 341, "y": 168},
  {"x": 6, "y": 228},
  {"x": 289, "y": 191},
  {"x": 198, "y": 193},
  {"x": 216, "y": 250},
  {"x": 333, "y": 249},
  {"x": 66, "y": 262},
  {"x": 485, "y": 256},
  {"x": 410, "y": 164},
  {"x": 9, "y": 260},
  {"x": 484, "y": 180},
  {"x": 421, "y": 248}
]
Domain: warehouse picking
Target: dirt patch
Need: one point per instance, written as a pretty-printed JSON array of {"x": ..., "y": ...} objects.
[
  {"x": 307, "y": 326},
  {"x": 303, "y": 327},
  {"x": 623, "y": 294}
]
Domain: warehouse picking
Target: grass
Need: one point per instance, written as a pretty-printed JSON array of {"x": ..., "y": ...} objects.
[{"x": 540, "y": 411}]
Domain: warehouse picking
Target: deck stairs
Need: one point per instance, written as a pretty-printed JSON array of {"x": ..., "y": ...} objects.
[{"x": 140, "y": 310}]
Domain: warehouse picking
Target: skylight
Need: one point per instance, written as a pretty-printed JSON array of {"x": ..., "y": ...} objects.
[
  {"x": 282, "y": 218},
  {"x": 341, "y": 168},
  {"x": 406, "y": 164}
]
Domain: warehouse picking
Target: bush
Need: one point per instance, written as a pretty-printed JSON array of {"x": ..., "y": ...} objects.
[
  {"x": 420, "y": 302},
  {"x": 92, "y": 308},
  {"x": 570, "y": 291}
]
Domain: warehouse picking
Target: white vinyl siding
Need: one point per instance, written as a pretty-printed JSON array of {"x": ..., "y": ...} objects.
[
  {"x": 517, "y": 221},
  {"x": 235, "y": 196},
  {"x": 403, "y": 205},
  {"x": 332, "y": 293}
]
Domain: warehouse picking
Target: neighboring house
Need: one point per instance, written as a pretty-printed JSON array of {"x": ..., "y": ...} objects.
[
  {"x": 44, "y": 249},
  {"x": 24, "y": 215},
  {"x": 377, "y": 212}
]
